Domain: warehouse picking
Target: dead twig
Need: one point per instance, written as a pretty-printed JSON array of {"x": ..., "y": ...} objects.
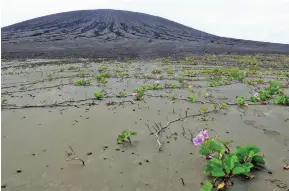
[{"x": 72, "y": 156}]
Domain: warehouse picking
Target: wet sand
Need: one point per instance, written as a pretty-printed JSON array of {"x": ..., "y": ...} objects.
[{"x": 35, "y": 138}]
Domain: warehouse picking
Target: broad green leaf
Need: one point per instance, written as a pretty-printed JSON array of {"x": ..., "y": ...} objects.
[
  {"x": 252, "y": 148},
  {"x": 207, "y": 187},
  {"x": 213, "y": 146},
  {"x": 215, "y": 162},
  {"x": 251, "y": 153},
  {"x": 208, "y": 169},
  {"x": 239, "y": 170},
  {"x": 248, "y": 166},
  {"x": 230, "y": 161},
  {"x": 124, "y": 132},
  {"x": 204, "y": 151},
  {"x": 218, "y": 172},
  {"x": 132, "y": 133},
  {"x": 258, "y": 159}
]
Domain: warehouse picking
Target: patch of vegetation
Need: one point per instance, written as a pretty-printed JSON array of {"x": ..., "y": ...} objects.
[
  {"x": 156, "y": 71},
  {"x": 241, "y": 101},
  {"x": 172, "y": 96},
  {"x": 102, "y": 78},
  {"x": 4, "y": 100},
  {"x": 138, "y": 94},
  {"x": 192, "y": 98},
  {"x": 170, "y": 71},
  {"x": 99, "y": 95},
  {"x": 82, "y": 74},
  {"x": 73, "y": 68},
  {"x": 224, "y": 164},
  {"x": 49, "y": 76},
  {"x": 125, "y": 136},
  {"x": 83, "y": 82},
  {"x": 103, "y": 68},
  {"x": 122, "y": 94}
]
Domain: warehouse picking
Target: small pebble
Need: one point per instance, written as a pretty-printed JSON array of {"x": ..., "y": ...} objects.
[
  {"x": 117, "y": 149},
  {"x": 140, "y": 163},
  {"x": 61, "y": 168},
  {"x": 33, "y": 154},
  {"x": 133, "y": 109},
  {"x": 89, "y": 153},
  {"x": 19, "y": 171},
  {"x": 132, "y": 153},
  {"x": 227, "y": 132},
  {"x": 147, "y": 160},
  {"x": 270, "y": 172},
  {"x": 3, "y": 186}
]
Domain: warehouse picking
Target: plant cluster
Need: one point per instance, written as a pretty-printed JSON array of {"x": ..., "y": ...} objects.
[
  {"x": 102, "y": 78},
  {"x": 4, "y": 100},
  {"x": 103, "y": 68},
  {"x": 138, "y": 94},
  {"x": 82, "y": 74},
  {"x": 125, "y": 136},
  {"x": 241, "y": 101},
  {"x": 192, "y": 98},
  {"x": 83, "y": 82},
  {"x": 272, "y": 90},
  {"x": 223, "y": 164},
  {"x": 99, "y": 95},
  {"x": 156, "y": 71}
]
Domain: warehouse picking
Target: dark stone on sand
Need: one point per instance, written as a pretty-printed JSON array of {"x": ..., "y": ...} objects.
[
  {"x": 3, "y": 186},
  {"x": 113, "y": 33},
  {"x": 89, "y": 153},
  {"x": 18, "y": 171}
]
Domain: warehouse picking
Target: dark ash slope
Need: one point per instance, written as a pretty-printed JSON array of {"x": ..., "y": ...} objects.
[{"x": 114, "y": 33}]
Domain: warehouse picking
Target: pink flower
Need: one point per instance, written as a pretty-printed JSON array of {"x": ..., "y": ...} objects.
[
  {"x": 134, "y": 94},
  {"x": 257, "y": 95},
  {"x": 199, "y": 139},
  {"x": 205, "y": 134}
]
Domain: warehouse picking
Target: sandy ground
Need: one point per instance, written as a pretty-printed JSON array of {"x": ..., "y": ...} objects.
[{"x": 45, "y": 114}]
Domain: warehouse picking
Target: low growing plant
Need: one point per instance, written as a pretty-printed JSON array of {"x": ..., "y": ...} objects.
[
  {"x": 138, "y": 94},
  {"x": 224, "y": 164},
  {"x": 4, "y": 100},
  {"x": 125, "y": 136},
  {"x": 192, "y": 98},
  {"x": 122, "y": 94},
  {"x": 99, "y": 95},
  {"x": 82, "y": 82},
  {"x": 241, "y": 101}
]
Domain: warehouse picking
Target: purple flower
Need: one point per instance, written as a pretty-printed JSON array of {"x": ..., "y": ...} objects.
[
  {"x": 205, "y": 134},
  {"x": 134, "y": 94},
  {"x": 199, "y": 139},
  {"x": 257, "y": 95}
]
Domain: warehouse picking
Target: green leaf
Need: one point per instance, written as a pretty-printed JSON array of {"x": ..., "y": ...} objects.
[
  {"x": 204, "y": 151},
  {"x": 239, "y": 170},
  {"x": 208, "y": 169},
  {"x": 230, "y": 161},
  {"x": 215, "y": 162},
  {"x": 124, "y": 132},
  {"x": 215, "y": 147},
  {"x": 251, "y": 154},
  {"x": 248, "y": 166},
  {"x": 132, "y": 133},
  {"x": 218, "y": 172},
  {"x": 207, "y": 187},
  {"x": 258, "y": 159}
]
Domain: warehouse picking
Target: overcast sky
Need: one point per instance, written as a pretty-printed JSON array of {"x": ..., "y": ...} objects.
[{"x": 262, "y": 20}]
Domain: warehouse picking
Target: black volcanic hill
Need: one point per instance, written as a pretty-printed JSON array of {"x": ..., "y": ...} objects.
[{"x": 115, "y": 33}]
